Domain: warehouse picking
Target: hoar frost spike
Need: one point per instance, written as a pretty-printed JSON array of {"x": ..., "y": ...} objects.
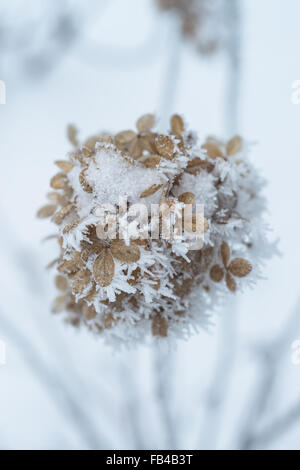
[{"x": 126, "y": 280}]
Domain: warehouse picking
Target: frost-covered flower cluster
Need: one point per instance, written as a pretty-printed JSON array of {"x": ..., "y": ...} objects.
[
  {"x": 203, "y": 21},
  {"x": 118, "y": 274}
]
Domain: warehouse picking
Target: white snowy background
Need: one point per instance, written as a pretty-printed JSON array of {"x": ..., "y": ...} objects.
[{"x": 100, "y": 65}]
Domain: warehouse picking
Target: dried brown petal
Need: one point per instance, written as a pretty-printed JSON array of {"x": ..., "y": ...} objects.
[
  {"x": 124, "y": 253},
  {"x": 122, "y": 139},
  {"x": 165, "y": 147},
  {"x": 61, "y": 283},
  {"x": 64, "y": 165},
  {"x": 230, "y": 282},
  {"x": 148, "y": 143},
  {"x": 213, "y": 150},
  {"x": 104, "y": 269},
  {"x": 89, "y": 312},
  {"x": 59, "y": 304},
  {"x": 59, "y": 216},
  {"x": 225, "y": 253},
  {"x": 187, "y": 198},
  {"x": 145, "y": 123},
  {"x": 207, "y": 255},
  {"x": 177, "y": 124},
  {"x": 84, "y": 184},
  {"x": 240, "y": 267},
  {"x": 234, "y": 145},
  {"x": 216, "y": 273},
  {"x": 152, "y": 190},
  {"x": 46, "y": 211},
  {"x": 196, "y": 165},
  {"x": 135, "y": 149},
  {"x": 71, "y": 226},
  {"x": 58, "y": 181},
  {"x": 159, "y": 326},
  {"x": 81, "y": 281},
  {"x": 152, "y": 161},
  {"x": 72, "y": 135},
  {"x": 71, "y": 266}
]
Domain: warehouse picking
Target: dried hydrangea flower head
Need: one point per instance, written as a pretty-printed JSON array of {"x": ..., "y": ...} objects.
[
  {"x": 136, "y": 254},
  {"x": 203, "y": 21}
]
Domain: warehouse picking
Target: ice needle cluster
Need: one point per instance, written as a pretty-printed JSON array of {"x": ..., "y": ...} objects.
[
  {"x": 203, "y": 21},
  {"x": 126, "y": 277}
]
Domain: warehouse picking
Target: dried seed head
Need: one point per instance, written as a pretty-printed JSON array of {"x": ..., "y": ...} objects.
[{"x": 149, "y": 281}]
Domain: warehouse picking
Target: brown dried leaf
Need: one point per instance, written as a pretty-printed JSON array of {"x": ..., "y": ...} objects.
[
  {"x": 159, "y": 326},
  {"x": 58, "y": 181},
  {"x": 165, "y": 147},
  {"x": 177, "y": 124},
  {"x": 72, "y": 135},
  {"x": 104, "y": 269},
  {"x": 230, "y": 282},
  {"x": 152, "y": 190},
  {"x": 212, "y": 149},
  {"x": 46, "y": 211},
  {"x": 124, "y": 253},
  {"x": 216, "y": 273},
  {"x": 84, "y": 184},
  {"x": 64, "y": 165},
  {"x": 225, "y": 253},
  {"x": 240, "y": 267},
  {"x": 234, "y": 145},
  {"x": 187, "y": 198},
  {"x": 145, "y": 123},
  {"x": 123, "y": 139}
]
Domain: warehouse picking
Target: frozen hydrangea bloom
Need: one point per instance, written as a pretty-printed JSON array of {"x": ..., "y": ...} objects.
[
  {"x": 203, "y": 21},
  {"x": 125, "y": 277}
]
